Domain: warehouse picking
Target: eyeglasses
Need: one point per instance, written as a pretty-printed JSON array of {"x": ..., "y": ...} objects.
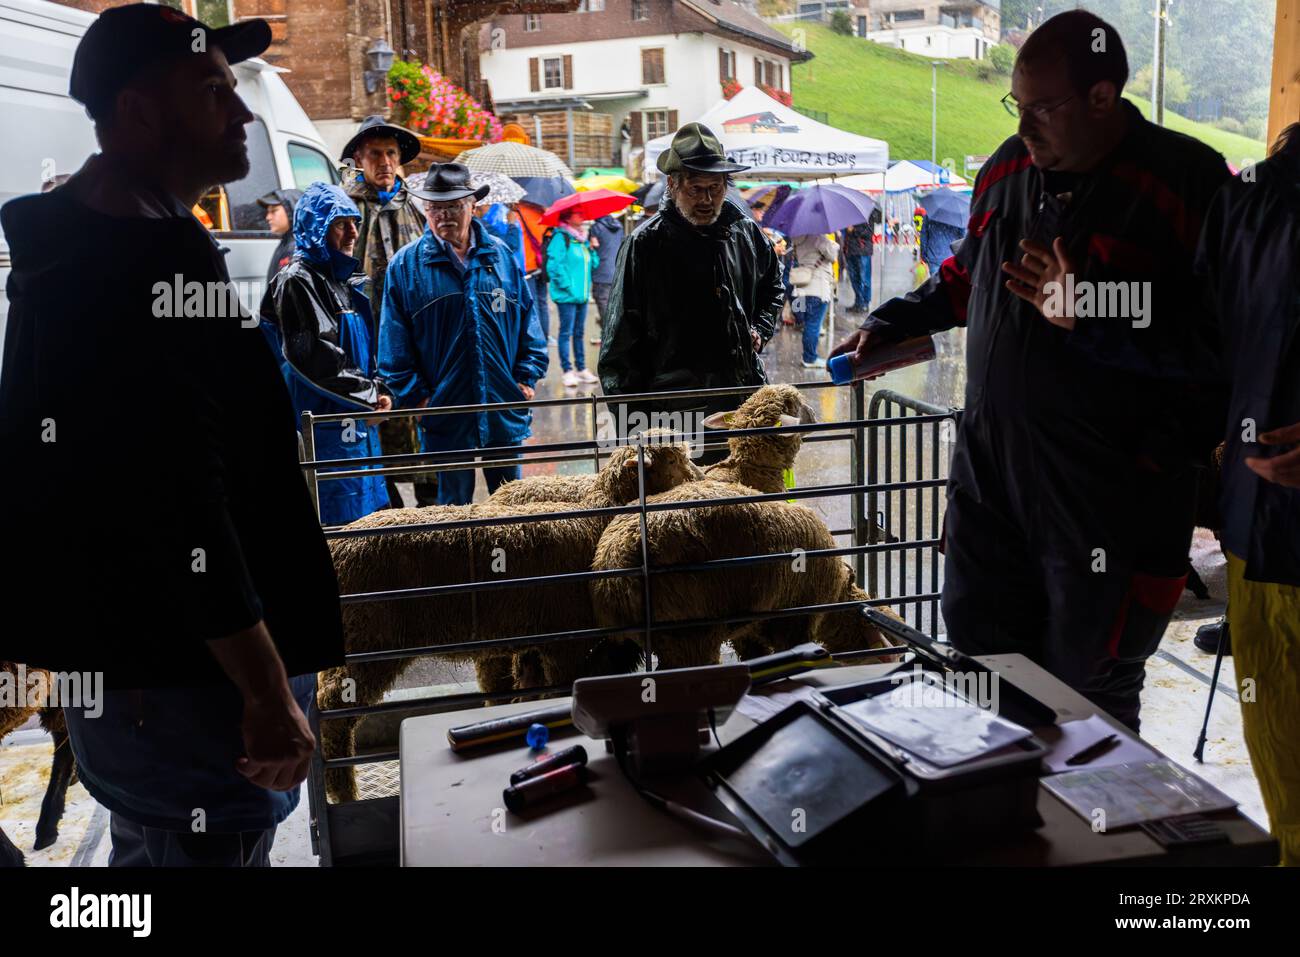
[
  {"x": 1037, "y": 111},
  {"x": 697, "y": 191},
  {"x": 451, "y": 210}
]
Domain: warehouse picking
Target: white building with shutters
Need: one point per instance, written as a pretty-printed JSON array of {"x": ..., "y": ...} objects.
[{"x": 651, "y": 64}]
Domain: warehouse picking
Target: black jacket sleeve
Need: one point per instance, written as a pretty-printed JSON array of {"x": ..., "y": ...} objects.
[
  {"x": 622, "y": 348},
  {"x": 770, "y": 297}
]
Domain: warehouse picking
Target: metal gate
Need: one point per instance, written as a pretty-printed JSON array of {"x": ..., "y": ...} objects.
[{"x": 877, "y": 535}]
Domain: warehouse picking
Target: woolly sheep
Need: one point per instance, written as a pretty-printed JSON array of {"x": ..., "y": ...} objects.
[
  {"x": 758, "y": 461},
  {"x": 728, "y": 531},
  {"x": 454, "y": 556}
]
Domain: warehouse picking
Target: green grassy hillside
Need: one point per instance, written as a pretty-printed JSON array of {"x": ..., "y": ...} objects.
[{"x": 885, "y": 93}]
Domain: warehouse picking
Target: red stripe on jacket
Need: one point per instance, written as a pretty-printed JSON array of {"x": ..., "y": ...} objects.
[
  {"x": 1167, "y": 203},
  {"x": 956, "y": 279},
  {"x": 1001, "y": 171}
]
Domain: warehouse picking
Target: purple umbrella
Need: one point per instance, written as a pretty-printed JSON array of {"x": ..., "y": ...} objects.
[{"x": 820, "y": 209}]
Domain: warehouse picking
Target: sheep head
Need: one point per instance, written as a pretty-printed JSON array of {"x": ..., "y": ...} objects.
[
  {"x": 769, "y": 406},
  {"x": 667, "y": 465}
]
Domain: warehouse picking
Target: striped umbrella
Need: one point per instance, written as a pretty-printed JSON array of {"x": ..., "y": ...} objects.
[{"x": 514, "y": 160}]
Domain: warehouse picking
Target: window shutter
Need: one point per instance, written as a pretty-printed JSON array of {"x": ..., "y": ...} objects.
[
  {"x": 534, "y": 81},
  {"x": 568, "y": 71},
  {"x": 780, "y": 76},
  {"x": 672, "y": 121},
  {"x": 758, "y": 71},
  {"x": 637, "y": 122},
  {"x": 722, "y": 65}
]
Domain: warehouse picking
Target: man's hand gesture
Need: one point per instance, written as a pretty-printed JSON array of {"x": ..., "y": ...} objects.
[{"x": 1038, "y": 268}]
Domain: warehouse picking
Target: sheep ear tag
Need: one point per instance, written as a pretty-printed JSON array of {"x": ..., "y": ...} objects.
[{"x": 719, "y": 421}]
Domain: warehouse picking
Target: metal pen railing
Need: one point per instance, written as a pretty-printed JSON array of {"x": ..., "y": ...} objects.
[{"x": 867, "y": 494}]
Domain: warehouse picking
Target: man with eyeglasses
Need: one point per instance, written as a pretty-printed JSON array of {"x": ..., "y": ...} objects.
[
  {"x": 697, "y": 292},
  {"x": 1093, "y": 390},
  {"x": 460, "y": 327}
]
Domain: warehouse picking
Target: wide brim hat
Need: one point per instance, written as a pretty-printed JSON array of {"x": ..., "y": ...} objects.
[
  {"x": 445, "y": 182},
  {"x": 695, "y": 148},
  {"x": 375, "y": 125}
]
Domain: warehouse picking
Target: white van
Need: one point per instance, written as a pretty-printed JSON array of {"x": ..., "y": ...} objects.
[{"x": 44, "y": 132}]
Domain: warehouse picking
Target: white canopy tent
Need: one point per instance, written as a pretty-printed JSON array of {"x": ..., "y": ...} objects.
[
  {"x": 903, "y": 176},
  {"x": 778, "y": 142}
]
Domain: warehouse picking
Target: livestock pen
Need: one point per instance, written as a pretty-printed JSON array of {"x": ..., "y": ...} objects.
[{"x": 898, "y": 457}]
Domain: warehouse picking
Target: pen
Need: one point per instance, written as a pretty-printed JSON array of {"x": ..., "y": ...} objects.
[{"x": 1094, "y": 750}]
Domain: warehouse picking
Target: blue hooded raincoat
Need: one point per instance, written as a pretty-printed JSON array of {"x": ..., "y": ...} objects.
[
  {"x": 318, "y": 321},
  {"x": 453, "y": 337}
]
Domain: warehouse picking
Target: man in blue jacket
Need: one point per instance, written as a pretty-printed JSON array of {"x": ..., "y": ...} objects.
[{"x": 459, "y": 327}]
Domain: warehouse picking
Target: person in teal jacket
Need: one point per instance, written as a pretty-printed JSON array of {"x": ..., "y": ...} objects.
[{"x": 570, "y": 261}]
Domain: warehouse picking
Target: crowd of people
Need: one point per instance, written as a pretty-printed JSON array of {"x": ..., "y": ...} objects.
[{"x": 1072, "y": 483}]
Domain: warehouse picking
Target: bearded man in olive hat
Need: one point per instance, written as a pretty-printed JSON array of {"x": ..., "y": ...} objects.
[{"x": 697, "y": 293}]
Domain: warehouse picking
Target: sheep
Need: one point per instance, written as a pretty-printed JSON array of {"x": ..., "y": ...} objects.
[
  {"x": 726, "y": 531},
  {"x": 452, "y": 556},
  {"x": 759, "y": 461},
  {"x": 62, "y": 768},
  {"x": 608, "y": 486}
]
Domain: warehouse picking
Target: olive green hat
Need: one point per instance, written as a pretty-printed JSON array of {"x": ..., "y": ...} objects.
[{"x": 696, "y": 148}]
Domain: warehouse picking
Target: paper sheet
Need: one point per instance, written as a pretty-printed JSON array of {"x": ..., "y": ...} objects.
[
  {"x": 1129, "y": 794},
  {"x": 758, "y": 707},
  {"x": 1077, "y": 735}
]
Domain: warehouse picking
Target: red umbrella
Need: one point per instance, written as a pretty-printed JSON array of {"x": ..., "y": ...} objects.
[{"x": 593, "y": 204}]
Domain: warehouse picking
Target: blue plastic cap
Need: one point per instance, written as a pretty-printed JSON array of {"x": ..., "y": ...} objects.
[{"x": 841, "y": 369}]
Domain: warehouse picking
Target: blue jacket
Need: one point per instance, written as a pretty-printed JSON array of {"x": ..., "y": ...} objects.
[
  {"x": 569, "y": 265},
  {"x": 512, "y": 234},
  {"x": 319, "y": 326},
  {"x": 447, "y": 338},
  {"x": 609, "y": 233},
  {"x": 936, "y": 242}
]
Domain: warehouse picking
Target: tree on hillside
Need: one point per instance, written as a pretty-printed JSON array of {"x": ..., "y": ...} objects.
[
  {"x": 1177, "y": 92},
  {"x": 841, "y": 23},
  {"x": 1003, "y": 58}
]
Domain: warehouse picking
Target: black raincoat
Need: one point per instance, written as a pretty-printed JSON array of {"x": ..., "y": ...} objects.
[
  {"x": 1250, "y": 253},
  {"x": 683, "y": 301}
]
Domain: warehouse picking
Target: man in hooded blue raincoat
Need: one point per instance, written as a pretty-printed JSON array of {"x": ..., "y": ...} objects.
[
  {"x": 319, "y": 320},
  {"x": 460, "y": 327}
]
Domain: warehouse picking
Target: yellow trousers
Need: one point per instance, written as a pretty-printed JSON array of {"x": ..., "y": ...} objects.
[{"x": 1264, "y": 621}]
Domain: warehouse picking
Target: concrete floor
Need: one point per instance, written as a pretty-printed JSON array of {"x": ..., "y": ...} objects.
[{"x": 1178, "y": 677}]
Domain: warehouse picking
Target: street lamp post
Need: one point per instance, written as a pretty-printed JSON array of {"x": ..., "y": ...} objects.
[{"x": 934, "y": 119}]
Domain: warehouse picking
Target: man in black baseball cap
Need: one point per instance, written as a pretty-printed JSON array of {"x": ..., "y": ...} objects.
[{"x": 203, "y": 597}]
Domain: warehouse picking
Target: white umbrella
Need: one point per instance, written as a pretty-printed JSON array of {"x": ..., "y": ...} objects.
[{"x": 502, "y": 189}]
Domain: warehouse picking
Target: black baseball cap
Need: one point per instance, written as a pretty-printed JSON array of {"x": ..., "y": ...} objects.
[{"x": 126, "y": 40}]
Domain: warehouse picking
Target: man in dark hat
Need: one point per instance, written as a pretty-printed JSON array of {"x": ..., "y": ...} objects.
[
  {"x": 697, "y": 293},
  {"x": 390, "y": 219},
  {"x": 460, "y": 327},
  {"x": 197, "y": 585}
]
